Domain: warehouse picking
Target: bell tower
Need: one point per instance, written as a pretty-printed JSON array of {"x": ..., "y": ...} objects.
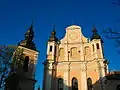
[
  {"x": 49, "y": 64},
  {"x": 52, "y": 46},
  {"x": 30, "y": 55}
]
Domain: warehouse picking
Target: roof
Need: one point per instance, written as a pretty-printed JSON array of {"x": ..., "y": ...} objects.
[{"x": 115, "y": 75}]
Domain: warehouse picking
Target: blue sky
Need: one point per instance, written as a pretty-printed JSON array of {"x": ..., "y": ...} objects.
[{"x": 17, "y": 15}]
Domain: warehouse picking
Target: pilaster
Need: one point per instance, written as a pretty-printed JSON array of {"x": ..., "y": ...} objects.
[{"x": 84, "y": 76}]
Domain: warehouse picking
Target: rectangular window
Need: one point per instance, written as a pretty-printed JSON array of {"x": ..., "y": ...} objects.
[
  {"x": 87, "y": 50},
  {"x": 50, "y": 48},
  {"x": 74, "y": 52},
  {"x": 98, "y": 46},
  {"x": 61, "y": 53},
  {"x": 93, "y": 47},
  {"x": 25, "y": 65}
]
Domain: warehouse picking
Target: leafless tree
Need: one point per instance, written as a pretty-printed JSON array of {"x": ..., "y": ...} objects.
[
  {"x": 5, "y": 60},
  {"x": 14, "y": 70},
  {"x": 113, "y": 35}
]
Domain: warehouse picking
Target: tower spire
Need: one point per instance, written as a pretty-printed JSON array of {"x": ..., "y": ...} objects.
[
  {"x": 29, "y": 35},
  {"x": 31, "y": 26},
  {"x": 53, "y": 35},
  {"x": 28, "y": 41},
  {"x": 95, "y": 35},
  {"x": 94, "y": 30}
]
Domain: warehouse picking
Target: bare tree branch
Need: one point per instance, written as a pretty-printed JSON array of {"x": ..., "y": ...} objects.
[{"x": 5, "y": 59}]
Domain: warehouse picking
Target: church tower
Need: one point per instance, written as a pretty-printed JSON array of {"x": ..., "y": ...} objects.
[
  {"x": 75, "y": 62},
  {"x": 50, "y": 62},
  {"x": 26, "y": 72}
]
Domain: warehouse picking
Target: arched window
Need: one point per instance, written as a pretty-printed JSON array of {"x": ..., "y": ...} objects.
[
  {"x": 25, "y": 64},
  {"x": 89, "y": 83},
  {"x": 74, "y": 84},
  {"x": 60, "y": 84},
  {"x": 118, "y": 87}
]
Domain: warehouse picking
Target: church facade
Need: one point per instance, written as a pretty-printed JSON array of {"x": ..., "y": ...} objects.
[{"x": 75, "y": 62}]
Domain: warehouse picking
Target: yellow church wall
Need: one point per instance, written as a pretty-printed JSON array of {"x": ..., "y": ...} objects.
[
  {"x": 87, "y": 53},
  {"x": 33, "y": 55},
  {"x": 92, "y": 71},
  {"x": 99, "y": 54},
  {"x": 59, "y": 74},
  {"x": 49, "y": 57},
  {"x": 93, "y": 75},
  {"x": 77, "y": 75}
]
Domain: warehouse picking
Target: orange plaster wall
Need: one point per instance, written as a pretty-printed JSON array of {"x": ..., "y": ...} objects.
[
  {"x": 77, "y": 74},
  {"x": 93, "y": 75},
  {"x": 59, "y": 74}
]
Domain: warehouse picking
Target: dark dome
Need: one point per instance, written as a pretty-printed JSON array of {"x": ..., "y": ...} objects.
[
  {"x": 28, "y": 41},
  {"x": 95, "y": 35}
]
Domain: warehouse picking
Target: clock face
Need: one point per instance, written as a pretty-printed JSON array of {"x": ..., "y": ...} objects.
[{"x": 73, "y": 36}]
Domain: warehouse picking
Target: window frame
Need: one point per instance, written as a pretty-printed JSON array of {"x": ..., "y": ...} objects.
[
  {"x": 71, "y": 53},
  {"x": 93, "y": 47},
  {"x": 51, "y": 47},
  {"x": 97, "y": 46}
]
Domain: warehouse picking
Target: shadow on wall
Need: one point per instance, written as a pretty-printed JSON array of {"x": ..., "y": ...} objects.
[
  {"x": 21, "y": 78},
  {"x": 59, "y": 84},
  {"x": 112, "y": 82}
]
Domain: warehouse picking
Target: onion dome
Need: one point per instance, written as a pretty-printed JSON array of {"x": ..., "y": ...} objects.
[{"x": 53, "y": 35}]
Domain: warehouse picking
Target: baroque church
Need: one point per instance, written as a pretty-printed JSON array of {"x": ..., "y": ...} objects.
[
  {"x": 77, "y": 63},
  {"x": 72, "y": 63}
]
